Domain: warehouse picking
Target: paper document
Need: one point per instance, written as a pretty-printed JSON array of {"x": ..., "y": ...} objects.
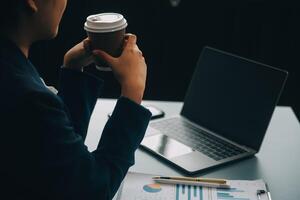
[{"x": 138, "y": 186}]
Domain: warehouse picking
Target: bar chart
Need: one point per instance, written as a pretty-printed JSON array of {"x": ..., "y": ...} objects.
[{"x": 189, "y": 192}]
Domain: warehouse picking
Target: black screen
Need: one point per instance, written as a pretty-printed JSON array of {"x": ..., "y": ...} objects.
[{"x": 233, "y": 96}]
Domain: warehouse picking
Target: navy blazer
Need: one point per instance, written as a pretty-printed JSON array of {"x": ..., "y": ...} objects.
[{"x": 43, "y": 155}]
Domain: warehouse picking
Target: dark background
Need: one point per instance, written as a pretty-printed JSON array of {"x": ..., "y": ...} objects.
[{"x": 172, "y": 37}]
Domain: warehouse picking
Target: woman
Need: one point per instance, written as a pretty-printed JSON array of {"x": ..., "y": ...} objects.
[{"x": 42, "y": 146}]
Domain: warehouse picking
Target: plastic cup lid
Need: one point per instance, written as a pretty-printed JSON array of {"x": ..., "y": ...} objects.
[{"x": 105, "y": 22}]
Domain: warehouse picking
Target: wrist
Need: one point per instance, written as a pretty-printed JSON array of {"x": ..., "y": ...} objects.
[{"x": 133, "y": 93}]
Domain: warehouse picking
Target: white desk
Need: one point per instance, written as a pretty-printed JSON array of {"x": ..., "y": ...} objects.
[{"x": 278, "y": 161}]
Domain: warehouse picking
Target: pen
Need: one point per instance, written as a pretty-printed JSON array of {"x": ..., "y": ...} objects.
[
  {"x": 268, "y": 192},
  {"x": 206, "y": 182}
]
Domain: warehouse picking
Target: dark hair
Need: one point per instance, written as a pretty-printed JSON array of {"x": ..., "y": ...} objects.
[{"x": 10, "y": 11}]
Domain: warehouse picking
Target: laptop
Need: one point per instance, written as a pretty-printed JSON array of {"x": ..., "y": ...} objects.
[{"x": 225, "y": 114}]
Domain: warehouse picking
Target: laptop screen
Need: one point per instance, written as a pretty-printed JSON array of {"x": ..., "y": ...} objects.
[{"x": 233, "y": 97}]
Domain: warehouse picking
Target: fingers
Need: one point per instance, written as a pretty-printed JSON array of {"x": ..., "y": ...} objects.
[
  {"x": 104, "y": 56},
  {"x": 129, "y": 46},
  {"x": 87, "y": 46},
  {"x": 130, "y": 43},
  {"x": 138, "y": 51},
  {"x": 131, "y": 38}
]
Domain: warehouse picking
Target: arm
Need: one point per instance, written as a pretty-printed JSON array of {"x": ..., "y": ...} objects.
[
  {"x": 79, "y": 92},
  {"x": 130, "y": 120},
  {"x": 98, "y": 175},
  {"x": 70, "y": 171}
]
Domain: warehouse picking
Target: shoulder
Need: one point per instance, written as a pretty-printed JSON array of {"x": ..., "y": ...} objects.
[
  {"x": 19, "y": 81},
  {"x": 19, "y": 87}
]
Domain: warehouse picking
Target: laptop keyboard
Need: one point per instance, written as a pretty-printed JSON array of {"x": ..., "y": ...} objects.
[{"x": 197, "y": 139}]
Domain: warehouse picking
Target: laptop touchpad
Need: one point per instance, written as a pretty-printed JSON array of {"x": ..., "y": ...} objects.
[{"x": 166, "y": 146}]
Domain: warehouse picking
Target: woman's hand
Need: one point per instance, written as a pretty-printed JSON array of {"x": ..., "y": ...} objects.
[
  {"x": 129, "y": 69},
  {"x": 79, "y": 56}
]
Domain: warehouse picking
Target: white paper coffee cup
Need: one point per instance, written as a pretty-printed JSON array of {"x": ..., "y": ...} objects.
[{"x": 106, "y": 32}]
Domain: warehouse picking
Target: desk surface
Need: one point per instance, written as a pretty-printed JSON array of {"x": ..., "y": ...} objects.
[{"x": 278, "y": 161}]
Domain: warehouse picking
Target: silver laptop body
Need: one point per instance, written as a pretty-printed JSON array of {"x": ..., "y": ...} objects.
[{"x": 226, "y": 112}]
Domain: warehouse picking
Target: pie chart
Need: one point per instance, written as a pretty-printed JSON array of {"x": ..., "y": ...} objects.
[{"x": 152, "y": 188}]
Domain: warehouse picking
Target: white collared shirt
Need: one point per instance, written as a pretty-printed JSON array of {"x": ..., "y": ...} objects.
[{"x": 51, "y": 88}]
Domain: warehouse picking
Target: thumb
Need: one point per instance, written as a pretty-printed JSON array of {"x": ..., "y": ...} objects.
[{"x": 104, "y": 56}]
